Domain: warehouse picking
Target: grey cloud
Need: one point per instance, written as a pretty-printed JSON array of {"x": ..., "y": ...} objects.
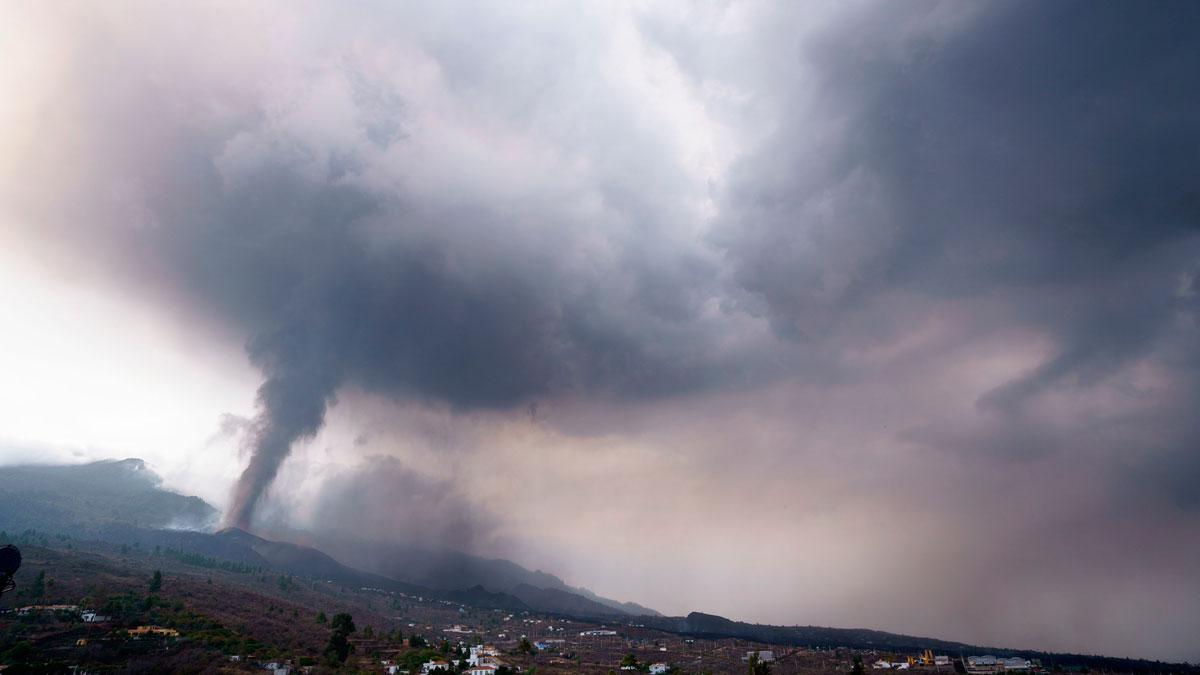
[
  {"x": 1036, "y": 157},
  {"x": 288, "y": 237}
]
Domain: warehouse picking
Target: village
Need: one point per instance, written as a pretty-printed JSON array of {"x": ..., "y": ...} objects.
[
  {"x": 95, "y": 607},
  {"x": 494, "y": 642}
]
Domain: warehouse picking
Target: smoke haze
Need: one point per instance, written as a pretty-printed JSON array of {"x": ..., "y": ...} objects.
[{"x": 906, "y": 291}]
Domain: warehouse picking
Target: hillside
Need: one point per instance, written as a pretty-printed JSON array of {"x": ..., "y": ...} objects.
[
  {"x": 120, "y": 506},
  {"x": 562, "y": 602},
  {"x": 447, "y": 569},
  {"x": 83, "y": 498},
  {"x": 262, "y": 616},
  {"x": 123, "y": 501}
]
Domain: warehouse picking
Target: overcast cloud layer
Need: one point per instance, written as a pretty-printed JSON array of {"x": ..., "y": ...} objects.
[{"x": 901, "y": 299}]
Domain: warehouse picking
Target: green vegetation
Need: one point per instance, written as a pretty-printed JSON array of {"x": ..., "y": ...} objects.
[
  {"x": 338, "y": 648},
  {"x": 156, "y": 581},
  {"x": 198, "y": 560},
  {"x": 412, "y": 659},
  {"x": 758, "y": 667}
]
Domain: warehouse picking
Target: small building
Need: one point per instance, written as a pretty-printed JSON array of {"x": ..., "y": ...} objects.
[
  {"x": 436, "y": 664},
  {"x": 658, "y": 668},
  {"x": 90, "y": 616},
  {"x": 764, "y": 655},
  {"x": 143, "y": 631},
  {"x": 480, "y": 655},
  {"x": 978, "y": 665}
]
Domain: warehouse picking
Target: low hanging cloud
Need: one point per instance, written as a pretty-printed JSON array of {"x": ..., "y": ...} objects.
[{"x": 954, "y": 244}]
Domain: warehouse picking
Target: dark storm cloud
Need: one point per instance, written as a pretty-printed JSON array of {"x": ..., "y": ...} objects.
[
  {"x": 263, "y": 224},
  {"x": 332, "y": 303},
  {"x": 1042, "y": 155}
]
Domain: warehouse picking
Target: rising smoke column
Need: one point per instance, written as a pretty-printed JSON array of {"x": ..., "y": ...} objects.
[{"x": 291, "y": 406}]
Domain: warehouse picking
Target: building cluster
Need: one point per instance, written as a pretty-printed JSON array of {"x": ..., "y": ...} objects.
[
  {"x": 992, "y": 664},
  {"x": 977, "y": 665},
  {"x": 926, "y": 660},
  {"x": 763, "y": 655},
  {"x": 481, "y": 660}
]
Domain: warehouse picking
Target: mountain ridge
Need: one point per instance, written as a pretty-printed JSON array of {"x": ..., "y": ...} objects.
[{"x": 93, "y": 487}]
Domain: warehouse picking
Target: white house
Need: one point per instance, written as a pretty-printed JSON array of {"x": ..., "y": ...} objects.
[
  {"x": 482, "y": 655},
  {"x": 436, "y": 664},
  {"x": 658, "y": 668}
]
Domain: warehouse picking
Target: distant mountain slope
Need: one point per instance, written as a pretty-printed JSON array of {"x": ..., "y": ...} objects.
[
  {"x": 711, "y": 626},
  {"x": 700, "y": 624},
  {"x": 123, "y": 502},
  {"x": 448, "y": 569},
  {"x": 558, "y": 601},
  {"x": 242, "y": 547},
  {"x": 631, "y": 608},
  {"x": 82, "y": 498},
  {"x": 478, "y": 596}
]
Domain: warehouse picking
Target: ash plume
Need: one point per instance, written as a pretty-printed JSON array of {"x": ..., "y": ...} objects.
[{"x": 291, "y": 405}]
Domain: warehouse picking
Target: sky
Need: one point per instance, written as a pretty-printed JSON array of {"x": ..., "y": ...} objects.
[{"x": 854, "y": 313}]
